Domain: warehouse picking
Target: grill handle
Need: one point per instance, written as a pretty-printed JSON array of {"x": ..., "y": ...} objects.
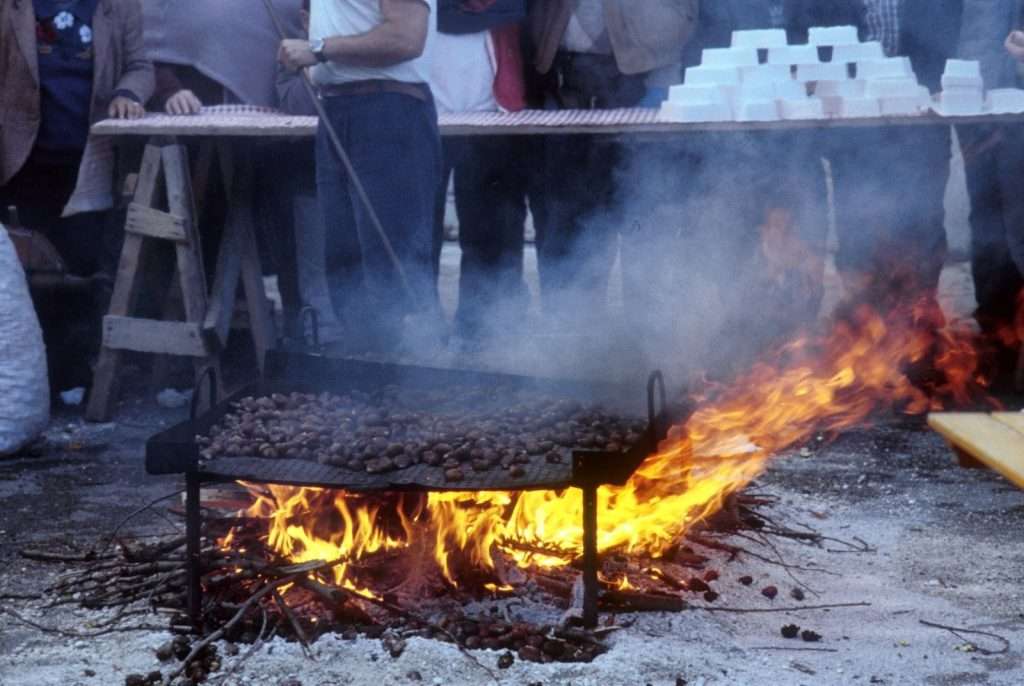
[
  {"x": 656, "y": 383},
  {"x": 209, "y": 374}
]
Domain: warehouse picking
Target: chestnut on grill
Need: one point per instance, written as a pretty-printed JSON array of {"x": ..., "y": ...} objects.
[{"x": 388, "y": 430}]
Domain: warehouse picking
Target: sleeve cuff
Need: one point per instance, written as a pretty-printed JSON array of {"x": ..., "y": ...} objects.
[{"x": 125, "y": 93}]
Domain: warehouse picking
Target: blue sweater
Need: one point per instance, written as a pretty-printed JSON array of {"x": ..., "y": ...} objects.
[{"x": 65, "y": 54}]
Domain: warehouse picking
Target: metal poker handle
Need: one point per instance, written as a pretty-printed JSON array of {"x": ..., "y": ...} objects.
[{"x": 357, "y": 183}]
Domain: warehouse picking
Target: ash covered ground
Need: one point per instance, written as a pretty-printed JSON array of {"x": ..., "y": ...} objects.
[{"x": 946, "y": 548}]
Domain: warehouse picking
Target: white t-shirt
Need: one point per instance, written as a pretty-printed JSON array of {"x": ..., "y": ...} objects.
[
  {"x": 462, "y": 72},
  {"x": 352, "y": 18}
]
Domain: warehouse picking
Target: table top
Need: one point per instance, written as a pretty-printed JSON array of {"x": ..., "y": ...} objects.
[{"x": 257, "y": 122}]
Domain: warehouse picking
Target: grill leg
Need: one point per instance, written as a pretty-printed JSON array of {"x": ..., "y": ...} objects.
[
  {"x": 590, "y": 556},
  {"x": 193, "y": 523}
]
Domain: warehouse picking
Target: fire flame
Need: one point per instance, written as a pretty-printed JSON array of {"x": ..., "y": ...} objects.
[{"x": 811, "y": 386}]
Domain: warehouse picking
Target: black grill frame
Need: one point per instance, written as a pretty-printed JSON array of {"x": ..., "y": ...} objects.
[{"x": 176, "y": 450}]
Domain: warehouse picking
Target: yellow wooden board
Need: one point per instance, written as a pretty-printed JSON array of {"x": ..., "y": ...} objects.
[{"x": 995, "y": 440}]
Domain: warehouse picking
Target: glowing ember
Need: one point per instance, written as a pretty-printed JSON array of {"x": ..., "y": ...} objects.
[{"x": 807, "y": 388}]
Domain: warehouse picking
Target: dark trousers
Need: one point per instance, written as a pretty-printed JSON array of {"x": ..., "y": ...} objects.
[
  {"x": 995, "y": 183},
  {"x": 574, "y": 209},
  {"x": 493, "y": 179},
  {"x": 890, "y": 186},
  {"x": 394, "y": 145}
]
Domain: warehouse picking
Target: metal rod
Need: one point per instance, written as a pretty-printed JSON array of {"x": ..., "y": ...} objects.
[
  {"x": 193, "y": 524},
  {"x": 590, "y": 555},
  {"x": 357, "y": 183}
]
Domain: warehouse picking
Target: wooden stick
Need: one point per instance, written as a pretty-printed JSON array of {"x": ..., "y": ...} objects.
[
  {"x": 268, "y": 588},
  {"x": 643, "y": 602}
]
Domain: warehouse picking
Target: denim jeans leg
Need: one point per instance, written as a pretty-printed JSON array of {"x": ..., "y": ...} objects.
[{"x": 395, "y": 148}]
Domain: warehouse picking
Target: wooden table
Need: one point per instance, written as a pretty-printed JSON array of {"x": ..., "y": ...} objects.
[{"x": 167, "y": 212}]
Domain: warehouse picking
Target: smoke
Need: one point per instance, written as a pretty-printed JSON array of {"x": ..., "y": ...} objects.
[{"x": 720, "y": 252}]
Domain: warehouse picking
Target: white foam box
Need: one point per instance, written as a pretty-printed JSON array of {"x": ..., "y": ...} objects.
[
  {"x": 687, "y": 93},
  {"x": 767, "y": 73},
  {"x": 832, "y": 35},
  {"x": 826, "y": 71},
  {"x": 832, "y": 105},
  {"x": 757, "y": 110},
  {"x": 1005, "y": 101},
  {"x": 860, "y": 108},
  {"x": 790, "y": 90},
  {"x": 887, "y": 68},
  {"x": 793, "y": 54},
  {"x": 689, "y": 112},
  {"x": 906, "y": 105},
  {"x": 759, "y": 39},
  {"x": 750, "y": 90},
  {"x": 845, "y": 88},
  {"x": 963, "y": 69},
  {"x": 729, "y": 57},
  {"x": 950, "y": 82},
  {"x": 712, "y": 76},
  {"x": 891, "y": 88},
  {"x": 808, "y": 108},
  {"x": 961, "y": 101},
  {"x": 858, "y": 52}
]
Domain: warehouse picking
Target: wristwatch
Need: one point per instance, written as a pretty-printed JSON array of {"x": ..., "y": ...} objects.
[{"x": 317, "y": 48}]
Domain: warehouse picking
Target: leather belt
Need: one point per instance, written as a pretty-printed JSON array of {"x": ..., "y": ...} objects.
[{"x": 420, "y": 91}]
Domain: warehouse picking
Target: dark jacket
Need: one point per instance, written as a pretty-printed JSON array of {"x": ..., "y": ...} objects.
[
  {"x": 645, "y": 34},
  {"x": 986, "y": 24},
  {"x": 929, "y": 35},
  {"x": 719, "y": 19},
  {"x": 474, "y": 16},
  {"x": 801, "y": 15},
  {"x": 120, "y": 63}
]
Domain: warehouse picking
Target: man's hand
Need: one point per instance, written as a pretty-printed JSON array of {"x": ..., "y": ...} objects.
[
  {"x": 125, "y": 108},
  {"x": 295, "y": 54},
  {"x": 1015, "y": 45},
  {"x": 183, "y": 102}
]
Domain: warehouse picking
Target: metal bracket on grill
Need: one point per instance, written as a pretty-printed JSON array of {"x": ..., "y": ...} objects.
[{"x": 210, "y": 375}]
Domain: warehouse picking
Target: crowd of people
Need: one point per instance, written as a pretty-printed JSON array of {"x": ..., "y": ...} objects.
[{"x": 747, "y": 213}]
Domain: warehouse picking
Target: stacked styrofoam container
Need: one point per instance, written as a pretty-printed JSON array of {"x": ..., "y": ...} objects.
[
  {"x": 891, "y": 81},
  {"x": 1005, "y": 101},
  {"x": 963, "y": 91},
  {"x": 761, "y": 77}
]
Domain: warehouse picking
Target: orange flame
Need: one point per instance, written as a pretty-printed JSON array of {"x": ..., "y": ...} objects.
[{"x": 806, "y": 388}]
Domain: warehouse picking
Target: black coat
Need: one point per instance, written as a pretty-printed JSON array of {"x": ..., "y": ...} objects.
[
  {"x": 929, "y": 35},
  {"x": 458, "y": 16}
]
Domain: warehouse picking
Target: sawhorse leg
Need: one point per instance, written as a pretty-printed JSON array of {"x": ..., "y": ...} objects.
[{"x": 238, "y": 259}]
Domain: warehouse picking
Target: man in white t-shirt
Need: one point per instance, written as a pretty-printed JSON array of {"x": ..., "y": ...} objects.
[
  {"x": 371, "y": 62},
  {"x": 478, "y": 67}
]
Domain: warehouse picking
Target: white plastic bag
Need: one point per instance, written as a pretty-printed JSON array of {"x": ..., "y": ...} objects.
[{"x": 24, "y": 384}]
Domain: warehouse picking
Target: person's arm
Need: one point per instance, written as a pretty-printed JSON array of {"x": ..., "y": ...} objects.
[
  {"x": 401, "y": 36},
  {"x": 135, "y": 86}
]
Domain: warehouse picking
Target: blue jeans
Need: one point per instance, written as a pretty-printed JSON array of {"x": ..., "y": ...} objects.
[{"x": 393, "y": 142}]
